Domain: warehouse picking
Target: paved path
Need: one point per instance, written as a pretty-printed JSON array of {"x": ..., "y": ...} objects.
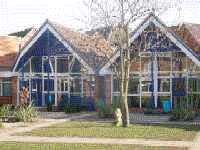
[
  {"x": 145, "y": 142},
  {"x": 196, "y": 143},
  {"x": 47, "y": 122}
]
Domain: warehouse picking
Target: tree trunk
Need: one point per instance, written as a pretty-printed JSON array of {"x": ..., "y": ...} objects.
[{"x": 125, "y": 69}]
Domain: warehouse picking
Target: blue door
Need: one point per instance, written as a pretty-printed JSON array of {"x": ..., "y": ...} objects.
[{"x": 36, "y": 93}]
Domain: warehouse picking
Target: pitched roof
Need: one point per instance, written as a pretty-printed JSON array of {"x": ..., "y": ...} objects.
[
  {"x": 190, "y": 34},
  {"x": 26, "y": 39},
  {"x": 7, "y": 61},
  {"x": 94, "y": 50},
  {"x": 9, "y": 46}
]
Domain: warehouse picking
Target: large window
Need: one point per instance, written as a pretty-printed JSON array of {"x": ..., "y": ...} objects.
[
  {"x": 115, "y": 84},
  {"x": 62, "y": 84},
  {"x": 75, "y": 85},
  {"x": 36, "y": 64},
  {"x": 5, "y": 87},
  {"x": 133, "y": 87},
  {"x": 62, "y": 65},
  {"x": 164, "y": 85}
]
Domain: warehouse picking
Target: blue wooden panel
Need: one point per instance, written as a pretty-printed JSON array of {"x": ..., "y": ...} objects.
[{"x": 46, "y": 45}]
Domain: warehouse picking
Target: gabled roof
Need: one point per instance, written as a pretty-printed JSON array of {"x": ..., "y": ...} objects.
[
  {"x": 9, "y": 47},
  {"x": 91, "y": 51},
  {"x": 94, "y": 50},
  {"x": 190, "y": 34},
  {"x": 168, "y": 32}
]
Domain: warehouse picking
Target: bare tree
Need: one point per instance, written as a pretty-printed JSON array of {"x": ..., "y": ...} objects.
[{"x": 119, "y": 15}]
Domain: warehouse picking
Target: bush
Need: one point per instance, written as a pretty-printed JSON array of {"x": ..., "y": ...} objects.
[
  {"x": 5, "y": 110},
  {"x": 25, "y": 113},
  {"x": 71, "y": 108},
  {"x": 105, "y": 111},
  {"x": 49, "y": 107},
  {"x": 183, "y": 114}
]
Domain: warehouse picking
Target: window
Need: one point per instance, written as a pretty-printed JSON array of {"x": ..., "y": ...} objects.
[
  {"x": 147, "y": 67},
  {"x": 36, "y": 64},
  {"x": 5, "y": 87},
  {"x": 47, "y": 65},
  {"x": 76, "y": 66},
  {"x": 133, "y": 87},
  {"x": 115, "y": 84},
  {"x": 164, "y": 85},
  {"x": 146, "y": 86},
  {"x": 48, "y": 85},
  {"x": 75, "y": 85},
  {"x": 62, "y": 84},
  {"x": 62, "y": 65},
  {"x": 193, "y": 85}
]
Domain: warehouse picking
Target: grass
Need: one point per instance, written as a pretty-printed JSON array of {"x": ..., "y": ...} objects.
[
  {"x": 107, "y": 130},
  {"x": 56, "y": 146}
]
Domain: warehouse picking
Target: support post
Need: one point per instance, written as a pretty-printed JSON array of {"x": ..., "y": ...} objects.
[
  {"x": 17, "y": 90},
  {"x": 155, "y": 78},
  {"x": 140, "y": 80}
]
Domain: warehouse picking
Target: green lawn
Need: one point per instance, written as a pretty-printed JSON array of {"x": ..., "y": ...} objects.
[
  {"x": 107, "y": 130},
  {"x": 53, "y": 146}
]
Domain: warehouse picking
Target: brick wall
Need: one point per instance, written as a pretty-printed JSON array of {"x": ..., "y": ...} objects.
[
  {"x": 103, "y": 88},
  {"x": 14, "y": 90},
  {"x": 85, "y": 88},
  {"x": 108, "y": 89}
]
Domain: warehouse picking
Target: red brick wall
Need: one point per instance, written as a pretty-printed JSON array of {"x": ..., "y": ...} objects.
[
  {"x": 108, "y": 89},
  {"x": 14, "y": 90},
  {"x": 103, "y": 88},
  {"x": 85, "y": 88}
]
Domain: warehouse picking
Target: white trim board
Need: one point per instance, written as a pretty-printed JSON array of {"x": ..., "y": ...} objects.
[
  {"x": 178, "y": 42},
  {"x": 48, "y": 26},
  {"x": 8, "y": 74}
]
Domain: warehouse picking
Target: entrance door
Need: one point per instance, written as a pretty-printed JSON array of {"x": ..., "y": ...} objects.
[{"x": 36, "y": 92}]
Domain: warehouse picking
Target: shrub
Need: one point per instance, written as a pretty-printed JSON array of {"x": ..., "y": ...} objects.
[
  {"x": 49, "y": 106},
  {"x": 105, "y": 111},
  {"x": 182, "y": 114},
  {"x": 25, "y": 113},
  {"x": 71, "y": 108},
  {"x": 5, "y": 110}
]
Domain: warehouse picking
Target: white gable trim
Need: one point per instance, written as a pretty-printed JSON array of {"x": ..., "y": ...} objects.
[
  {"x": 57, "y": 35},
  {"x": 105, "y": 69},
  {"x": 140, "y": 29},
  {"x": 174, "y": 39}
]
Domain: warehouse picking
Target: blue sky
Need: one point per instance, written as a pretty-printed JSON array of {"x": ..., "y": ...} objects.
[{"x": 16, "y": 15}]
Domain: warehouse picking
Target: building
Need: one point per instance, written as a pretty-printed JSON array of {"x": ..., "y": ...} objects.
[{"x": 57, "y": 64}]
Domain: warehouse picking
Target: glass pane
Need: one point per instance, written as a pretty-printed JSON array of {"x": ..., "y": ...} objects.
[
  {"x": 47, "y": 66},
  {"x": 76, "y": 66},
  {"x": 36, "y": 64},
  {"x": 133, "y": 85},
  {"x": 62, "y": 65},
  {"x": 115, "y": 84},
  {"x": 146, "y": 86},
  {"x": 75, "y": 85},
  {"x": 192, "y": 85},
  {"x": 62, "y": 84},
  {"x": 164, "y": 85},
  {"x": 133, "y": 101},
  {"x": 6, "y": 89},
  {"x": 48, "y": 85}
]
